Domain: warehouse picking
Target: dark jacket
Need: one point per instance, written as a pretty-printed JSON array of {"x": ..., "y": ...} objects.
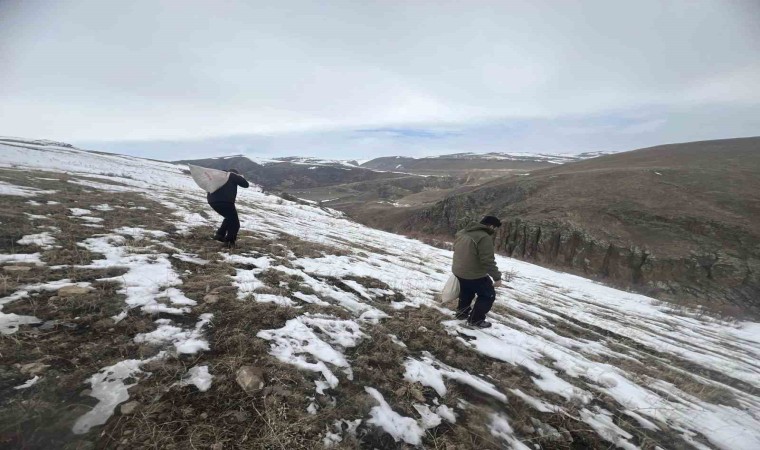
[
  {"x": 474, "y": 254},
  {"x": 228, "y": 192}
]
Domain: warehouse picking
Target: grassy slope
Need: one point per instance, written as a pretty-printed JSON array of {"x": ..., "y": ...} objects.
[{"x": 169, "y": 416}]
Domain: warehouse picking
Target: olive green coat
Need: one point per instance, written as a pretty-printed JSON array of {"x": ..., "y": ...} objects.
[{"x": 474, "y": 253}]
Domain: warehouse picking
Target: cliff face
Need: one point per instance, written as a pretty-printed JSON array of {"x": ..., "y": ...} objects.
[
  {"x": 677, "y": 222},
  {"x": 721, "y": 274}
]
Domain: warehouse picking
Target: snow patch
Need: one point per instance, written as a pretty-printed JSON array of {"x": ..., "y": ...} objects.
[
  {"x": 499, "y": 427},
  {"x": 28, "y": 258},
  {"x": 185, "y": 341},
  {"x": 21, "y": 191},
  {"x": 108, "y": 386},
  {"x": 44, "y": 240},
  {"x": 29, "y": 383},
  {"x": 401, "y": 428},
  {"x": 315, "y": 337},
  {"x": 430, "y": 372},
  {"x": 198, "y": 376}
]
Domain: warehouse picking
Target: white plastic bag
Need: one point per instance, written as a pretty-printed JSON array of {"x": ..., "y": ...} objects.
[
  {"x": 450, "y": 290},
  {"x": 210, "y": 180}
]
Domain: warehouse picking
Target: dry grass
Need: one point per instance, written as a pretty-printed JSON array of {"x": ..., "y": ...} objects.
[{"x": 172, "y": 417}]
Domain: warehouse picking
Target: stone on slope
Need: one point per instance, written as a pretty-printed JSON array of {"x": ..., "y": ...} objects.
[
  {"x": 250, "y": 378},
  {"x": 73, "y": 290}
]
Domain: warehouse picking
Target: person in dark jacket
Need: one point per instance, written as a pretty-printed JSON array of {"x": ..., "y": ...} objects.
[
  {"x": 475, "y": 266},
  {"x": 223, "y": 201}
]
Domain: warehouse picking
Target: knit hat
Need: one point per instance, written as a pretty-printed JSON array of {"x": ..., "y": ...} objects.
[{"x": 491, "y": 220}]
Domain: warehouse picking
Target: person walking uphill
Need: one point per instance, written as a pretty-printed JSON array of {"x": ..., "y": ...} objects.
[
  {"x": 223, "y": 202},
  {"x": 475, "y": 267}
]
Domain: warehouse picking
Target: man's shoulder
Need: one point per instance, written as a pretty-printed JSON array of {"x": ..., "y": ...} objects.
[
  {"x": 479, "y": 233},
  {"x": 474, "y": 235}
]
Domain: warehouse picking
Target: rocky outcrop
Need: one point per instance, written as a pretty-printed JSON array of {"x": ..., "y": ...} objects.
[
  {"x": 723, "y": 274},
  {"x": 715, "y": 264},
  {"x": 678, "y": 221}
]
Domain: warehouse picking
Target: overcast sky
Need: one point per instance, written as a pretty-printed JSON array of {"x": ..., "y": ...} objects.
[{"x": 357, "y": 79}]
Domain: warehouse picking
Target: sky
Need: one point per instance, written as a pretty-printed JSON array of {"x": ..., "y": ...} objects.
[{"x": 360, "y": 79}]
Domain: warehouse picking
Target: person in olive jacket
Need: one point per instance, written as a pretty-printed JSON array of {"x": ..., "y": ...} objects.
[
  {"x": 223, "y": 202},
  {"x": 475, "y": 266}
]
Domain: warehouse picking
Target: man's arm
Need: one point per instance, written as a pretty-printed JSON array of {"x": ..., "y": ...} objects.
[
  {"x": 239, "y": 180},
  {"x": 488, "y": 259}
]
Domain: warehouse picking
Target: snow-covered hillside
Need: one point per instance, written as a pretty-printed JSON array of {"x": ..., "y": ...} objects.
[{"x": 337, "y": 321}]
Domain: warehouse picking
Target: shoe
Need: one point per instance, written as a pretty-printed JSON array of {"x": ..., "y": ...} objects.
[
  {"x": 462, "y": 316},
  {"x": 219, "y": 237},
  {"x": 480, "y": 324},
  {"x": 229, "y": 244}
]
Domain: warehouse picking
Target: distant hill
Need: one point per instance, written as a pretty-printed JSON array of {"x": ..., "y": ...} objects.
[
  {"x": 286, "y": 174},
  {"x": 463, "y": 162},
  {"x": 679, "y": 220},
  {"x": 125, "y": 326}
]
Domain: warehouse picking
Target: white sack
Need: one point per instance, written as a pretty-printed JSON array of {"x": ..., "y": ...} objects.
[
  {"x": 210, "y": 180},
  {"x": 450, "y": 290}
]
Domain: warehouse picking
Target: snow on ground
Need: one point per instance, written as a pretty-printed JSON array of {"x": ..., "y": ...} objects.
[
  {"x": 24, "y": 258},
  {"x": 109, "y": 388},
  {"x": 185, "y": 341},
  {"x": 500, "y": 427},
  {"x": 430, "y": 372},
  {"x": 148, "y": 279},
  {"x": 29, "y": 383},
  {"x": 401, "y": 428},
  {"x": 21, "y": 191},
  {"x": 317, "y": 338},
  {"x": 44, "y": 240},
  {"x": 617, "y": 328},
  {"x": 191, "y": 258},
  {"x": 79, "y": 211},
  {"x": 9, "y": 323},
  {"x": 199, "y": 377}
]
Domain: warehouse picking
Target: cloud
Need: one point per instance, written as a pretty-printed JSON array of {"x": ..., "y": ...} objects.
[{"x": 285, "y": 72}]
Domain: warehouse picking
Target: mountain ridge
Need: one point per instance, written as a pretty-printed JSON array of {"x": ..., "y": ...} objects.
[{"x": 130, "y": 326}]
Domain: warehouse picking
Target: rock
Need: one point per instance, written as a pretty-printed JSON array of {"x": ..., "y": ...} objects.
[
  {"x": 240, "y": 416},
  {"x": 546, "y": 431},
  {"x": 223, "y": 289},
  {"x": 568, "y": 437},
  {"x": 250, "y": 378},
  {"x": 417, "y": 394},
  {"x": 17, "y": 269},
  {"x": 103, "y": 324},
  {"x": 281, "y": 391},
  {"x": 129, "y": 407},
  {"x": 204, "y": 416},
  {"x": 54, "y": 298},
  {"x": 73, "y": 290},
  {"x": 217, "y": 446},
  {"x": 211, "y": 298},
  {"x": 34, "y": 368}
]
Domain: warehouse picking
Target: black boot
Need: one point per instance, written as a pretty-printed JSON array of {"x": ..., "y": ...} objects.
[
  {"x": 219, "y": 237},
  {"x": 480, "y": 324}
]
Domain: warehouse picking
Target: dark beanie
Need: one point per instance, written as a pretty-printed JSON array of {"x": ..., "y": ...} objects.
[{"x": 491, "y": 220}]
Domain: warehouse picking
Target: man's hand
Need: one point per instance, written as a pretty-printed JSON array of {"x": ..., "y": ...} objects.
[{"x": 497, "y": 284}]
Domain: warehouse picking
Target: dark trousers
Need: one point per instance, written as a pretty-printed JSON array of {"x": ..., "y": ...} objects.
[
  {"x": 231, "y": 224},
  {"x": 483, "y": 289}
]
